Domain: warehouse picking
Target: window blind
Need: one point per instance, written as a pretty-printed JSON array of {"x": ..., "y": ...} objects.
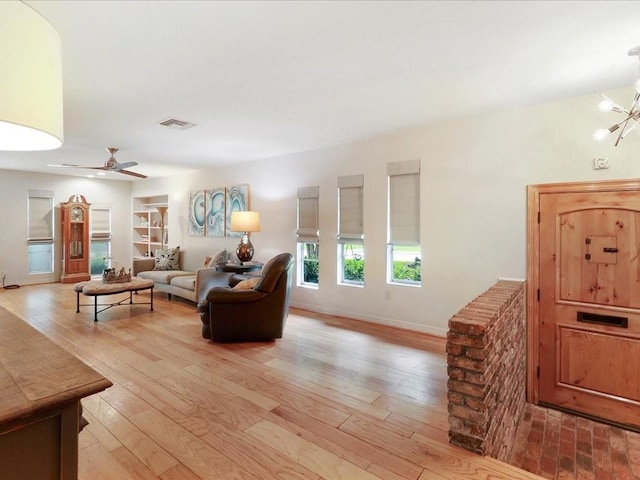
[
  {"x": 308, "y": 225},
  {"x": 100, "y": 222},
  {"x": 40, "y": 216},
  {"x": 350, "y": 212},
  {"x": 404, "y": 202}
]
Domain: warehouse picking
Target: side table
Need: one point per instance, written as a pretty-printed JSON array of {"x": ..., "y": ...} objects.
[{"x": 239, "y": 268}]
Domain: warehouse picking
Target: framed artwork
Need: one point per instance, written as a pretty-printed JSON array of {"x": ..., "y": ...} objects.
[
  {"x": 210, "y": 210},
  {"x": 237, "y": 200},
  {"x": 197, "y": 213},
  {"x": 215, "y": 200}
]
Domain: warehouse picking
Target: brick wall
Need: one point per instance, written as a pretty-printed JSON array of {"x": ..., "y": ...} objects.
[{"x": 486, "y": 363}]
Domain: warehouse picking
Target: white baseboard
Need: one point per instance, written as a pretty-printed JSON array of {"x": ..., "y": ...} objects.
[{"x": 438, "y": 332}]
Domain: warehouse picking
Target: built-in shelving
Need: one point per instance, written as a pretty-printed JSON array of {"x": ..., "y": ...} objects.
[{"x": 147, "y": 225}]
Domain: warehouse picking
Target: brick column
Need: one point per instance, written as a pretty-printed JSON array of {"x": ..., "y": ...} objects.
[{"x": 486, "y": 363}]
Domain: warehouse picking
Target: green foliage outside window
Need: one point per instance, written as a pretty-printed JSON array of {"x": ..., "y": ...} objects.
[
  {"x": 354, "y": 270},
  {"x": 98, "y": 257},
  {"x": 310, "y": 270},
  {"x": 97, "y": 266},
  {"x": 310, "y": 264},
  {"x": 407, "y": 271}
]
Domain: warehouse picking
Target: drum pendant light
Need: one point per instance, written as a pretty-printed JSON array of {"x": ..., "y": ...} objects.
[{"x": 31, "y": 80}]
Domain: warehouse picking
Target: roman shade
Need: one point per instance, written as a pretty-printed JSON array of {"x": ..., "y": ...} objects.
[
  {"x": 100, "y": 222},
  {"x": 308, "y": 229},
  {"x": 350, "y": 213},
  {"x": 404, "y": 202},
  {"x": 40, "y": 216}
]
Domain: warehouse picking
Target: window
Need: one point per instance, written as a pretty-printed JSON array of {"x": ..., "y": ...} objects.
[
  {"x": 100, "y": 256},
  {"x": 350, "y": 230},
  {"x": 308, "y": 236},
  {"x": 404, "y": 258},
  {"x": 40, "y": 231}
]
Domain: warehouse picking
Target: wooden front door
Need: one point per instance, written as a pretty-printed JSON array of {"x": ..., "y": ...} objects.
[{"x": 589, "y": 303}]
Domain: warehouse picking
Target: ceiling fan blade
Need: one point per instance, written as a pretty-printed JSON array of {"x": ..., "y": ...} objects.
[
  {"x": 133, "y": 174},
  {"x": 120, "y": 166},
  {"x": 111, "y": 165}
]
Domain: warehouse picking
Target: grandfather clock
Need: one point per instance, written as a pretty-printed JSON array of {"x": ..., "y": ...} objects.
[{"x": 75, "y": 239}]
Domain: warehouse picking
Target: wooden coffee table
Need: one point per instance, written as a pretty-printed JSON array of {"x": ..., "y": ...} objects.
[{"x": 97, "y": 288}]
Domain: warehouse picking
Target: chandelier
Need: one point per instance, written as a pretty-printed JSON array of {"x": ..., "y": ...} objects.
[{"x": 632, "y": 115}]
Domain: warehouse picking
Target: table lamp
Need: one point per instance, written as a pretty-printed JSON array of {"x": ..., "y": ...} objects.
[{"x": 245, "y": 222}]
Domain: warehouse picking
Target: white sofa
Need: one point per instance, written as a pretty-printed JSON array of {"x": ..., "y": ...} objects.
[{"x": 191, "y": 285}]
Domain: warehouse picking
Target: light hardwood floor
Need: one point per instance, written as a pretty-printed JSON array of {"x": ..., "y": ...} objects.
[{"x": 334, "y": 399}]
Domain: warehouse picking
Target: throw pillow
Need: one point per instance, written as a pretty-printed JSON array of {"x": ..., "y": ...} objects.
[
  {"x": 206, "y": 261},
  {"x": 168, "y": 259},
  {"x": 218, "y": 258},
  {"x": 247, "y": 284}
]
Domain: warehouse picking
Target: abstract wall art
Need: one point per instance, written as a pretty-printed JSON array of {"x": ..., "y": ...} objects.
[
  {"x": 210, "y": 210},
  {"x": 237, "y": 200},
  {"x": 197, "y": 213},
  {"x": 215, "y": 218}
]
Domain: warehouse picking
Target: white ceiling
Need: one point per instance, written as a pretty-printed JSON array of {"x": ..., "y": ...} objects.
[{"x": 262, "y": 79}]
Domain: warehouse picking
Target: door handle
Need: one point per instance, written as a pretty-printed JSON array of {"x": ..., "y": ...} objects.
[{"x": 610, "y": 250}]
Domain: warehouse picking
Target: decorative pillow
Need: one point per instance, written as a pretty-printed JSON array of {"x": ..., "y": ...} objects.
[
  {"x": 218, "y": 258},
  {"x": 168, "y": 259},
  {"x": 206, "y": 261},
  {"x": 247, "y": 284}
]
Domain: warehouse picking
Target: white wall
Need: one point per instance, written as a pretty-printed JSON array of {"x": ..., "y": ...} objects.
[
  {"x": 14, "y": 187},
  {"x": 473, "y": 184},
  {"x": 473, "y": 206}
]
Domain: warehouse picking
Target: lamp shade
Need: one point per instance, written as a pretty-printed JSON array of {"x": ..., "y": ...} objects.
[
  {"x": 246, "y": 221},
  {"x": 31, "y": 80}
]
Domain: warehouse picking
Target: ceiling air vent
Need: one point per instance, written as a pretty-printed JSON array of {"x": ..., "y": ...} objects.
[{"x": 176, "y": 124}]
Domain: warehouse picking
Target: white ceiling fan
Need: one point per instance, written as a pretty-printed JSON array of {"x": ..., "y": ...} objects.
[{"x": 111, "y": 165}]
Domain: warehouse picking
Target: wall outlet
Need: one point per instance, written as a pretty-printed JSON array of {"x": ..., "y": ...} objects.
[{"x": 600, "y": 163}]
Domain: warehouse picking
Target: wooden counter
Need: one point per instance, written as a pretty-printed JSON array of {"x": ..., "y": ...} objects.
[{"x": 41, "y": 385}]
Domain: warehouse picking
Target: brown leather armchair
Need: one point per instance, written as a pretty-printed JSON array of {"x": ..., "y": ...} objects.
[{"x": 254, "y": 315}]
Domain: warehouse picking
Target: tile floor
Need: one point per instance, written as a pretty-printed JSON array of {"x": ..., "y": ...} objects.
[{"x": 560, "y": 446}]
